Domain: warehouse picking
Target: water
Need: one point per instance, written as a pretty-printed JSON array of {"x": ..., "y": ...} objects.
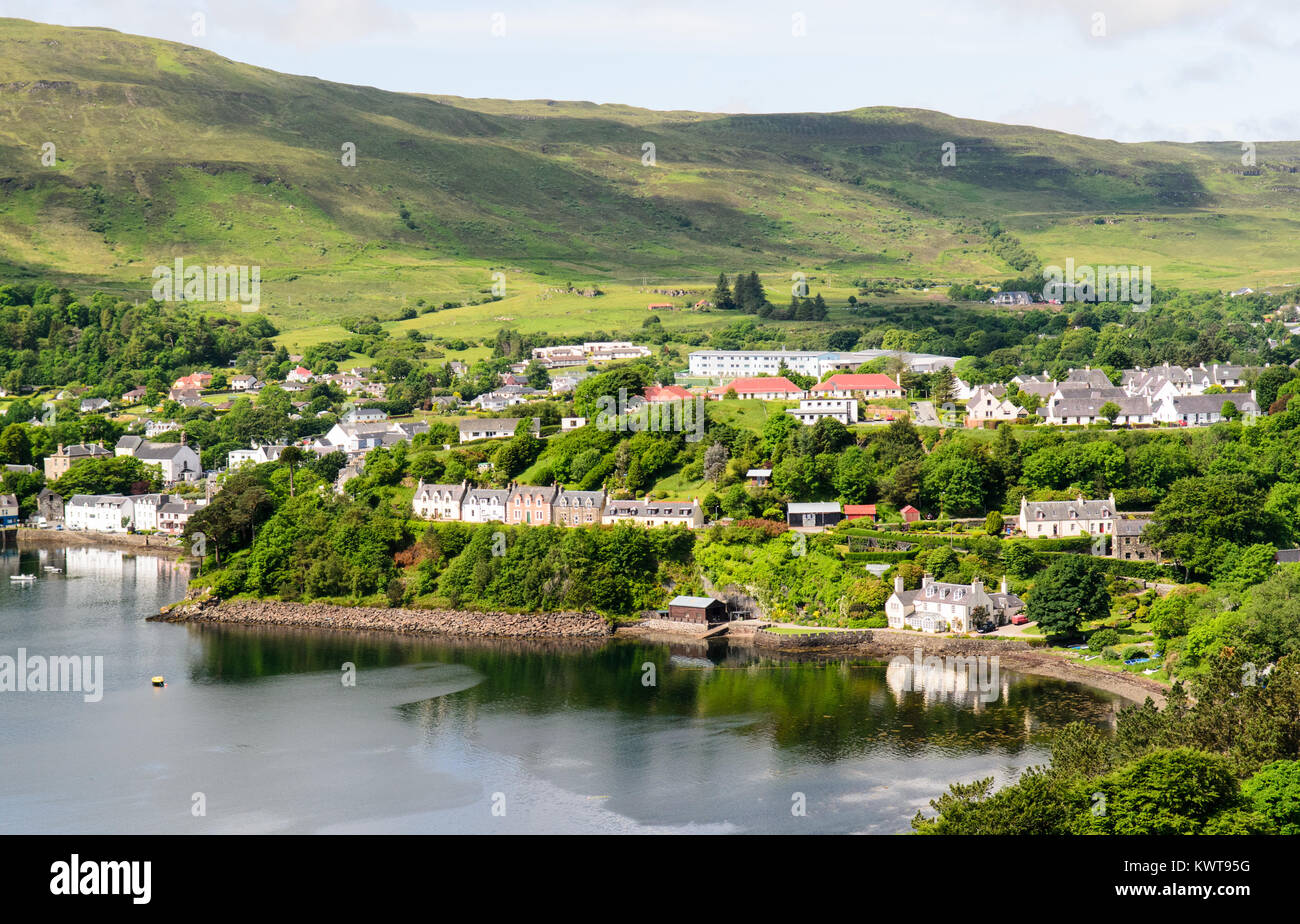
[{"x": 256, "y": 726}]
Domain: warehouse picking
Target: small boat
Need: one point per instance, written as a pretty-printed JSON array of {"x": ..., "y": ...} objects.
[
  {"x": 53, "y": 570},
  {"x": 158, "y": 681},
  {"x": 22, "y": 578}
]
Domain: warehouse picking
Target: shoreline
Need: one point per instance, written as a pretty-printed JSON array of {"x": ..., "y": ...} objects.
[
  {"x": 154, "y": 545},
  {"x": 464, "y": 624},
  {"x": 432, "y": 622},
  {"x": 885, "y": 644}
]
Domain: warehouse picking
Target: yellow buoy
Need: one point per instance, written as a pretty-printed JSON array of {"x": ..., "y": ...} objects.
[{"x": 158, "y": 682}]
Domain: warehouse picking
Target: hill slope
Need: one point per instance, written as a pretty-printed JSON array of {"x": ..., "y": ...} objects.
[{"x": 166, "y": 150}]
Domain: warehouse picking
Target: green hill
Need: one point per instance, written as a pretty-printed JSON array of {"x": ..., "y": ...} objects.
[{"x": 166, "y": 150}]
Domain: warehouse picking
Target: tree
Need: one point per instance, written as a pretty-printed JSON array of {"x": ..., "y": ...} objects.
[
  {"x": 117, "y": 475},
  {"x": 993, "y": 523},
  {"x": 1269, "y": 381},
  {"x": 1201, "y": 519},
  {"x": 1070, "y": 592},
  {"x": 537, "y": 375},
  {"x": 15, "y": 446},
  {"x": 1175, "y": 791},
  {"x": 290, "y": 457},
  {"x": 721, "y": 296},
  {"x": 1230, "y": 411},
  {"x": 942, "y": 385},
  {"x": 842, "y": 340},
  {"x": 1110, "y": 411},
  {"x": 1274, "y": 792},
  {"x": 715, "y": 462}
]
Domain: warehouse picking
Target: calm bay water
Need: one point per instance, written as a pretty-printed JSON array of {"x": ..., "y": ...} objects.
[{"x": 434, "y": 733}]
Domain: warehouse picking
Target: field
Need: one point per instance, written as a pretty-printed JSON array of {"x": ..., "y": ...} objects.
[{"x": 164, "y": 150}]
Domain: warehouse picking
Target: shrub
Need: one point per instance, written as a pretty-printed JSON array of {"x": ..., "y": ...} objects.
[
  {"x": 1133, "y": 651},
  {"x": 1103, "y": 639},
  {"x": 1110, "y": 654}
]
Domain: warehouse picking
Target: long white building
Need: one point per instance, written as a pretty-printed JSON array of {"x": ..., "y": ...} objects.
[
  {"x": 109, "y": 513},
  {"x": 730, "y": 364}
]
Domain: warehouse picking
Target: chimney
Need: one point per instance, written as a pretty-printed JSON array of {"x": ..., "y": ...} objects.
[
  {"x": 898, "y": 583},
  {"x": 1002, "y": 586},
  {"x": 976, "y": 585},
  {"x": 927, "y": 579},
  {"x": 60, "y": 452}
]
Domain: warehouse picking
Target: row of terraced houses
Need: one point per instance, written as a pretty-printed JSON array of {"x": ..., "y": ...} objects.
[{"x": 547, "y": 506}]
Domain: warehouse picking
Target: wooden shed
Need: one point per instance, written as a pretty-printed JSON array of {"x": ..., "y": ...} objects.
[{"x": 701, "y": 610}]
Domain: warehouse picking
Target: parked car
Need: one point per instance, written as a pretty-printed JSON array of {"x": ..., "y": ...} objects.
[{"x": 1019, "y": 620}]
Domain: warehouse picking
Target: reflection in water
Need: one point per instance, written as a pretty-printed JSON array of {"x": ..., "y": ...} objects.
[
  {"x": 827, "y": 711},
  {"x": 566, "y": 731}
]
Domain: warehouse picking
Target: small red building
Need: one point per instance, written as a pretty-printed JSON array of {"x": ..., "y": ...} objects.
[
  {"x": 910, "y": 514},
  {"x": 860, "y": 511}
]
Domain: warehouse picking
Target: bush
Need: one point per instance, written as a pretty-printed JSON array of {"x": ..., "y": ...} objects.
[
  {"x": 1110, "y": 654},
  {"x": 1103, "y": 639},
  {"x": 1133, "y": 651}
]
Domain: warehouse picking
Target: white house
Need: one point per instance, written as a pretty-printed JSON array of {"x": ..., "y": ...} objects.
[
  {"x": 811, "y": 410},
  {"x": 255, "y": 456},
  {"x": 109, "y": 513},
  {"x": 1056, "y": 519},
  {"x": 654, "y": 513},
  {"x": 987, "y": 404},
  {"x": 484, "y": 505},
  {"x": 493, "y": 428},
  {"x": 177, "y": 461},
  {"x": 851, "y": 385},
  {"x": 943, "y": 607},
  {"x": 1203, "y": 410},
  {"x": 764, "y": 388},
  {"x": 145, "y": 510},
  {"x": 360, "y": 415},
  {"x": 438, "y": 501},
  {"x": 158, "y": 427}
]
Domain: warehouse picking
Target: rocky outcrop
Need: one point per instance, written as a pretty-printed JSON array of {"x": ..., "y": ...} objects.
[{"x": 419, "y": 622}]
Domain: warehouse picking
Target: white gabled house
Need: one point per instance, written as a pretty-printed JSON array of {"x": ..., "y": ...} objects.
[
  {"x": 438, "y": 501},
  {"x": 109, "y": 513},
  {"x": 943, "y": 607},
  {"x": 1059, "y": 519}
]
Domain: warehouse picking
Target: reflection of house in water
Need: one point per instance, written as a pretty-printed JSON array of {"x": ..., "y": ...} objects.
[
  {"x": 144, "y": 571},
  {"x": 965, "y": 680}
]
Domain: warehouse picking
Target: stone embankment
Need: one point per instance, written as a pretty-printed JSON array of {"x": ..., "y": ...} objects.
[
  {"x": 155, "y": 543},
  {"x": 410, "y": 621}
]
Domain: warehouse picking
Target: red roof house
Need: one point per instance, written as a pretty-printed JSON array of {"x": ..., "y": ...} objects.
[
  {"x": 655, "y": 393},
  {"x": 852, "y": 385},
  {"x": 910, "y": 514},
  {"x": 767, "y": 388},
  {"x": 859, "y": 511}
]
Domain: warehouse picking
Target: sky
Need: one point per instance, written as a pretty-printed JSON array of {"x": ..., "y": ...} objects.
[{"x": 1129, "y": 70}]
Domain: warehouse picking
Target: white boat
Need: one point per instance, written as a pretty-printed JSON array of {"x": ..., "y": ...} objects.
[
  {"x": 53, "y": 570},
  {"x": 22, "y": 578}
]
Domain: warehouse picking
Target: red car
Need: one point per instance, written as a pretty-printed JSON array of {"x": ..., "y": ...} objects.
[{"x": 1019, "y": 620}]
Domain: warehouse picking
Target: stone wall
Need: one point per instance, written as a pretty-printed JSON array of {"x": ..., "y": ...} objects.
[
  {"x": 765, "y": 638},
  {"x": 64, "y": 537},
  {"x": 423, "y": 622}
]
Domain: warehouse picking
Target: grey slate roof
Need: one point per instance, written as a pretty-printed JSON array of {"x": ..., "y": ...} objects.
[{"x": 693, "y": 601}]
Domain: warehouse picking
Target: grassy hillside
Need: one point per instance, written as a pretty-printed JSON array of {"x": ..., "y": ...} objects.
[{"x": 166, "y": 150}]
